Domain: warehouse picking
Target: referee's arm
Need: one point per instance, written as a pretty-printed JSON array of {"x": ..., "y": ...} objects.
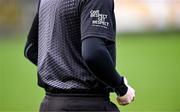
[
  {"x": 98, "y": 27},
  {"x": 99, "y": 60},
  {"x": 31, "y": 47}
]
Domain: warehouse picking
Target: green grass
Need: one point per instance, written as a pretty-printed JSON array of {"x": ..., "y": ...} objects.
[{"x": 151, "y": 62}]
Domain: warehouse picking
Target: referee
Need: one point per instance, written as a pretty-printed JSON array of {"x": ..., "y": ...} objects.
[{"x": 72, "y": 42}]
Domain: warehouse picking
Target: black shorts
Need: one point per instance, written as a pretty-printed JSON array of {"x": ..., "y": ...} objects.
[{"x": 76, "y": 103}]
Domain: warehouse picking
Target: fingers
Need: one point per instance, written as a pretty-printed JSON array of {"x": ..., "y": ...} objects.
[
  {"x": 122, "y": 103},
  {"x": 132, "y": 92}
]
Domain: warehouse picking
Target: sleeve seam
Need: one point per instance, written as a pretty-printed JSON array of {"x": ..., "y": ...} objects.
[{"x": 108, "y": 37}]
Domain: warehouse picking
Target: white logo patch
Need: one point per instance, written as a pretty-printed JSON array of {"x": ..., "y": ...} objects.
[{"x": 100, "y": 19}]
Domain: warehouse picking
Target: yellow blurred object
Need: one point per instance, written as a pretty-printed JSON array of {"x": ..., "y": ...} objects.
[
  {"x": 141, "y": 15},
  {"x": 9, "y": 13}
]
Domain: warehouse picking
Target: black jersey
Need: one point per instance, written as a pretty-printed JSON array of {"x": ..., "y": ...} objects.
[{"x": 63, "y": 24}]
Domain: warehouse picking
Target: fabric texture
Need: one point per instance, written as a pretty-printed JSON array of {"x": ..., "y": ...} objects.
[
  {"x": 61, "y": 24},
  {"x": 55, "y": 45}
]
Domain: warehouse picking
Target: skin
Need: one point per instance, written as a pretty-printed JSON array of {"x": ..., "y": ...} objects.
[{"x": 128, "y": 97}]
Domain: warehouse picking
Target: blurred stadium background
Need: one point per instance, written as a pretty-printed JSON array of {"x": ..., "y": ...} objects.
[{"x": 148, "y": 54}]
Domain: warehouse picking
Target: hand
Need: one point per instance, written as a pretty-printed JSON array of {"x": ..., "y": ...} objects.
[{"x": 128, "y": 97}]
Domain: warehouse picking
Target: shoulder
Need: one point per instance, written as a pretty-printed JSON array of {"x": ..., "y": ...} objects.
[{"x": 97, "y": 2}]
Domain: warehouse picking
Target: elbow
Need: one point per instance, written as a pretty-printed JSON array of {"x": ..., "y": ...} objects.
[
  {"x": 26, "y": 50},
  {"x": 92, "y": 57},
  {"x": 92, "y": 51},
  {"x": 89, "y": 58}
]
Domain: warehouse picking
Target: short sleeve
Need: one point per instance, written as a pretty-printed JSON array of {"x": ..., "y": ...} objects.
[{"x": 98, "y": 19}]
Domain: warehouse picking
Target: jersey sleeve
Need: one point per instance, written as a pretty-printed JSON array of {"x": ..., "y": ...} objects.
[{"x": 98, "y": 19}]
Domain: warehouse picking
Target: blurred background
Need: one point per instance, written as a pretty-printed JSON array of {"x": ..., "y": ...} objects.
[{"x": 148, "y": 54}]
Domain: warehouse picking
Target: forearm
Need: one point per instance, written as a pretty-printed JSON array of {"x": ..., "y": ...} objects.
[
  {"x": 101, "y": 64},
  {"x": 111, "y": 47}
]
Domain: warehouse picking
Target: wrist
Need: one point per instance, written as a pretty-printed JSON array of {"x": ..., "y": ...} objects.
[{"x": 122, "y": 89}]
